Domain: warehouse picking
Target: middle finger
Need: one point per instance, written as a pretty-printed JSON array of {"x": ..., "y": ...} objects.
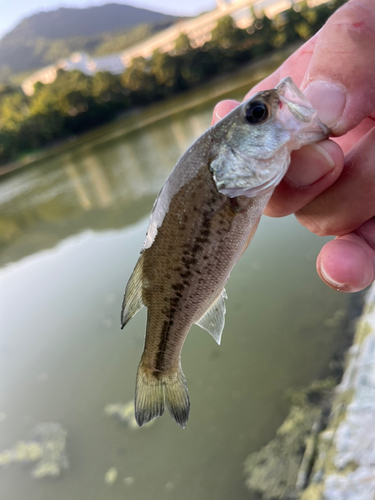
[{"x": 350, "y": 201}]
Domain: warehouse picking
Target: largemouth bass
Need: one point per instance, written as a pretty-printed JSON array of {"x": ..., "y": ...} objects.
[{"x": 202, "y": 221}]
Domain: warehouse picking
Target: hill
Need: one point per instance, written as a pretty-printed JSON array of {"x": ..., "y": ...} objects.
[{"x": 47, "y": 36}]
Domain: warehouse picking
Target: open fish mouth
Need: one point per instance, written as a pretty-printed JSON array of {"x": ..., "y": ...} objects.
[
  {"x": 295, "y": 100},
  {"x": 297, "y": 112}
]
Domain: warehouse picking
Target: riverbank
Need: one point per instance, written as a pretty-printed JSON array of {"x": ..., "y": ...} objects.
[
  {"x": 232, "y": 86},
  {"x": 344, "y": 468},
  {"x": 325, "y": 448}
]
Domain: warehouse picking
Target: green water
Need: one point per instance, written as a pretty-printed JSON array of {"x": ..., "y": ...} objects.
[{"x": 71, "y": 229}]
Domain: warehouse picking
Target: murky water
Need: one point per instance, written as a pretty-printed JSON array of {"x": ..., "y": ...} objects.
[{"x": 71, "y": 230}]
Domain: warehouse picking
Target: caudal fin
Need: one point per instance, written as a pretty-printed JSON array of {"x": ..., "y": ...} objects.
[{"x": 154, "y": 393}]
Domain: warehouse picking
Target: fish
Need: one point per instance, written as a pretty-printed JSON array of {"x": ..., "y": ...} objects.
[{"x": 201, "y": 223}]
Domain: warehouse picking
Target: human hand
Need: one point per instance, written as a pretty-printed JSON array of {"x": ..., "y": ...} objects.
[{"x": 330, "y": 186}]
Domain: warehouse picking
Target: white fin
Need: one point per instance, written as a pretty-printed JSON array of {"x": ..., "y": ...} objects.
[
  {"x": 213, "y": 319},
  {"x": 133, "y": 300}
]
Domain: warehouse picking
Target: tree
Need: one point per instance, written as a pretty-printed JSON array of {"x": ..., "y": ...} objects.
[{"x": 182, "y": 44}]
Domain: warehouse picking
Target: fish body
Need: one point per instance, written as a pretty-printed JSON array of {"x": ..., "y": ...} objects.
[{"x": 202, "y": 222}]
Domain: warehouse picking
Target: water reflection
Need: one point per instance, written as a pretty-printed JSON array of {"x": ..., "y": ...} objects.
[{"x": 96, "y": 187}]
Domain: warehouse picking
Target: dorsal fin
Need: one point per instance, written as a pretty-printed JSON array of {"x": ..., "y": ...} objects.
[
  {"x": 213, "y": 319},
  {"x": 133, "y": 299}
]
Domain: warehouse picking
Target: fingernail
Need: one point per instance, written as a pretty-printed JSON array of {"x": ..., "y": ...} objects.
[
  {"x": 310, "y": 164},
  {"x": 327, "y": 278},
  {"x": 328, "y": 99}
]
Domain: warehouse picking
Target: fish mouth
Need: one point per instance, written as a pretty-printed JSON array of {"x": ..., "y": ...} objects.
[
  {"x": 304, "y": 115},
  {"x": 252, "y": 191},
  {"x": 297, "y": 103}
]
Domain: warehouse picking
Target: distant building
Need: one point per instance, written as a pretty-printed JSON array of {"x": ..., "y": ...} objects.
[
  {"x": 77, "y": 61},
  {"x": 90, "y": 65},
  {"x": 112, "y": 63},
  {"x": 197, "y": 29},
  {"x": 45, "y": 75}
]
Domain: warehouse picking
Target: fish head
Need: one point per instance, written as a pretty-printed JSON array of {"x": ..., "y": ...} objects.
[{"x": 252, "y": 144}]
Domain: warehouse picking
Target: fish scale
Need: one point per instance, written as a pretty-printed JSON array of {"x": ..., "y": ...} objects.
[{"x": 189, "y": 294}]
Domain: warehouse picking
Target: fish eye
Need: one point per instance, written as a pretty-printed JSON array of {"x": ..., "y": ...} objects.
[{"x": 256, "y": 112}]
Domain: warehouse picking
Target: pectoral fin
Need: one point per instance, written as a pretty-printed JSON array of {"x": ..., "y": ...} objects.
[
  {"x": 133, "y": 299},
  {"x": 213, "y": 319}
]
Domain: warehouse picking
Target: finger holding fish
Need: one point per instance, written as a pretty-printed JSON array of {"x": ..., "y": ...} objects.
[
  {"x": 347, "y": 264},
  {"x": 347, "y": 209},
  {"x": 333, "y": 70},
  {"x": 313, "y": 169}
]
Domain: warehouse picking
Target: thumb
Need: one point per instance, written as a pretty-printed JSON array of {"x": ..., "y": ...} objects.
[{"x": 339, "y": 78}]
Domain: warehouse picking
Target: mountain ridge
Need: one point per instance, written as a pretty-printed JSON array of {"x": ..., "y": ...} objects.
[{"x": 44, "y": 37}]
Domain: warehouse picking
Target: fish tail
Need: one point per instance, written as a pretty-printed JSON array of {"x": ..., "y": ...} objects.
[
  {"x": 155, "y": 392},
  {"x": 177, "y": 397}
]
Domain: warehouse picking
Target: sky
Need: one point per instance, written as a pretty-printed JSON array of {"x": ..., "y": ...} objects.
[{"x": 12, "y": 12}]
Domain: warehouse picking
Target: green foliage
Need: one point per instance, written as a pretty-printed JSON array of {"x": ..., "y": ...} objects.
[
  {"x": 303, "y": 30},
  {"x": 74, "y": 102},
  {"x": 13, "y": 108},
  {"x": 224, "y": 33},
  {"x": 182, "y": 44},
  {"x": 112, "y": 43}
]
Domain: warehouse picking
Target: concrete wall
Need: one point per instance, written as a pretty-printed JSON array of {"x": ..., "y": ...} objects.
[{"x": 345, "y": 464}]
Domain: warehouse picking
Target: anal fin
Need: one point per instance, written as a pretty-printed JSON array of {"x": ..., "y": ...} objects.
[
  {"x": 133, "y": 299},
  {"x": 214, "y": 318}
]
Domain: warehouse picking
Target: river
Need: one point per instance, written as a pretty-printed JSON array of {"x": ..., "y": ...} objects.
[{"x": 71, "y": 228}]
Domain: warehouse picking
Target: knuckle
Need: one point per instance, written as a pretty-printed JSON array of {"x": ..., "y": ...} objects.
[{"x": 317, "y": 225}]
